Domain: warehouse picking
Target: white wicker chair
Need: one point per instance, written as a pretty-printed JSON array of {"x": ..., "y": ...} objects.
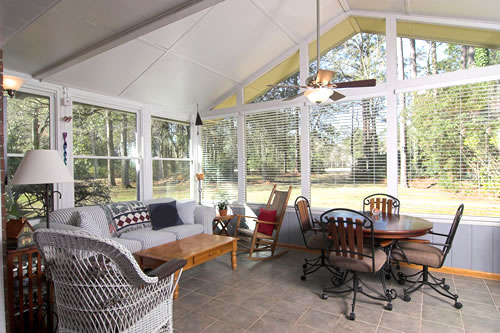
[{"x": 99, "y": 286}]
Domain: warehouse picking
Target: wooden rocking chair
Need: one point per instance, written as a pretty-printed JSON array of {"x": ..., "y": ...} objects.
[{"x": 254, "y": 241}]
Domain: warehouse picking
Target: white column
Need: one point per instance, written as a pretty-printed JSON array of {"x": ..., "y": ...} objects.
[
  {"x": 305, "y": 158},
  {"x": 240, "y": 95},
  {"x": 61, "y": 106},
  {"x": 146, "y": 163},
  {"x": 392, "y": 106}
]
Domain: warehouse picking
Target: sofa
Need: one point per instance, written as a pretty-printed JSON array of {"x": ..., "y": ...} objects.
[{"x": 97, "y": 220}]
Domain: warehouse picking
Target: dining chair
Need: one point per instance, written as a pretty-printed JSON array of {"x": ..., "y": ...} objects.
[
  {"x": 313, "y": 239},
  {"x": 385, "y": 203},
  {"x": 427, "y": 254},
  {"x": 262, "y": 233},
  {"x": 351, "y": 251},
  {"x": 99, "y": 286}
]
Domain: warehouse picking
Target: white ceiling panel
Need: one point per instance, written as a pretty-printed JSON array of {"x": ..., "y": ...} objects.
[
  {"x": 235, "y": 39},
  {"x": 179, "y": 84},
  {"x": 299, "y": 16},
  {"x": 112, "y": 71},
  {"x": 391, "y": 6},
  {"x": 15, "y": 15},
  {"x": 167, "y": 36},
  {"x": 488, "y": 10},
  {"x": 53, "y": 36},
  {"x": 115, "y": 15}
]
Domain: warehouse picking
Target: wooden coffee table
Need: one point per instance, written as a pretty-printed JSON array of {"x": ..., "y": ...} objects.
[{"x": 196, "y": 250}]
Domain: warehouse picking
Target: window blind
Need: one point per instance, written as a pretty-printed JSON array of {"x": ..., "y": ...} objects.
[
  {"x": 220, "y": 159},
  {"x": 348, "y": 152},
  {"x": 452, "y": 153},
  {"x": 272, "y": 144}
]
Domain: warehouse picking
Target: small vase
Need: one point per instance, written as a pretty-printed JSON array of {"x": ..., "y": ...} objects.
[{"x": 222, "y": 212}]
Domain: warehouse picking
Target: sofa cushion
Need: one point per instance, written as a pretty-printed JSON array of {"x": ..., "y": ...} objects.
[
  {"x": 128, "y": 215},
  {"x": 158, "y": 200},
  {"x": 183, "y": 231},
  {"x": 185, "y": 209},
  {"x": 149, "y": 237},
  {"x": 131, "y": 245},
  {"x": 164, "y": 215},
  {"x": 85, "y": 221},
  {"x": 69, "y": 216}
]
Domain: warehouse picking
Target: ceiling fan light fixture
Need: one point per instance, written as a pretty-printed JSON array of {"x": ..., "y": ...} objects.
[{"x": 318, "y": 95}]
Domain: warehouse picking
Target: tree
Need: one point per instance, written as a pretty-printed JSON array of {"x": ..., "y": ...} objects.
[
  {"x": 110, "y": 146},
  {"x": 123, "y": 151}
]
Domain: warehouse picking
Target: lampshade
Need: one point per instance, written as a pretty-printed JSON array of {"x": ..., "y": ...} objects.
[
  {"x": 12, "y": 82},
  {"x": 42, "y": 167},
  {"x": 318, "y": 95}
]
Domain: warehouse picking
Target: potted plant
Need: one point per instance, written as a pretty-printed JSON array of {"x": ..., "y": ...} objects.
[{"x": 222, "y": 207}]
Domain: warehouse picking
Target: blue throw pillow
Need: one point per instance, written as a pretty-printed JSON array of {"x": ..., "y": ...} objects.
[{"x": 164, "y": 215}]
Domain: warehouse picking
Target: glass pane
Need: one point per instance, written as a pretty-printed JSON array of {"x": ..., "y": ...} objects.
[
  {"x": 452, "y": 153},
  {"x": 348, "y": 152},
  {"x": 28, "y": 123},
  {"x": 171, "y": 179},
  {"x": 98, "y": 131},
  {"x": 272, "y": 153},
  {"x": 169, "y": 139},
  {"x": 100, "y": 181},
  {"x": 23, "y": 200}
]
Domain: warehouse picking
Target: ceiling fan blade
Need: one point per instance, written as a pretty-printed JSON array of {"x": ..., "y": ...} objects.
[
  {"x": 336, "y": 96},
  {"x": 357, "y": 84},
  {"x": 285, "y": 86},
  {"x": 293, "y": 96},
  {"x": 324, "y": 76}
]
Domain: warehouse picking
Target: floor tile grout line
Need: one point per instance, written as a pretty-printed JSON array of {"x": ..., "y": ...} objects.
[{"x": 459, "y": 311}]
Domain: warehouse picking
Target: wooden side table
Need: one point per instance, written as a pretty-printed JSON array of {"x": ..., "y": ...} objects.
[
  {"x": 222, "y": 222},
  {"x": 26, "y": 290}
]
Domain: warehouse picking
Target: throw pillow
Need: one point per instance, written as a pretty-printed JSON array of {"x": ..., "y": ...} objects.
[
  {"x": 186, "y": 211},
  {"x": 269, "y": 216},
  {"x": 85, "y": 221},
  {"x": 127, "y": 216},
  {"x": 164, "y": 215}
]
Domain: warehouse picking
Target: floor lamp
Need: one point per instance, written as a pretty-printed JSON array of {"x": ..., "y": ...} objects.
[{"x": 43, "y": 167}]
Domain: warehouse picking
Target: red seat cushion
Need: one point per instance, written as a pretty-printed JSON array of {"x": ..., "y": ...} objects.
[{"x": 269, "y": 216}]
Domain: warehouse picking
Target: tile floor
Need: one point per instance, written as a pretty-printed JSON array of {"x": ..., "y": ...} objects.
[{"x": 270, "y": 297}]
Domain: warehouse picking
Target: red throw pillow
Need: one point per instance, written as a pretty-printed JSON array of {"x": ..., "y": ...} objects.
[{"x": 269, "y": 216}]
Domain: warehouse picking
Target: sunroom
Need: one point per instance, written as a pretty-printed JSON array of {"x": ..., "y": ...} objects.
[{"x": 211, "y": 101}]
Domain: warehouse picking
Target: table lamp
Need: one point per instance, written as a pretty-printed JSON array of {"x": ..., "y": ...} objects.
[
  {"x": 200, "y": 177},
  {"x": 43, "y": 167}
]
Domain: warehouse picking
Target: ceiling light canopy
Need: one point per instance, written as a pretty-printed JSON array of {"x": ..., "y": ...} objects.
[
  {"x": 11, "y": 84},
  {"x": 318, "y": 95}
]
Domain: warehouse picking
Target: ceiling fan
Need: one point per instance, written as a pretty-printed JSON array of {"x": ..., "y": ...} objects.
[{"x": 319, "y": 87}]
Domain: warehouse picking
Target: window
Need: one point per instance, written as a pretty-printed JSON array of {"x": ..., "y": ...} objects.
[
  {"x": 220, "y": 159},
  {"x": 28, "y": 127},
  {"x": 452, "y": 151},
  {"x": 170, "y": 144},
  {"x": 272, "y": 143},
  {"x": 354, "y": 49},
  {"x": 429, "y": 49},
  {"x": 105, "y": 155},
  {"x": 348, "y": 152}
]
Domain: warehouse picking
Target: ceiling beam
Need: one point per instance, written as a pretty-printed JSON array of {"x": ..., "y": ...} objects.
[{"x": 165, "y": 18}]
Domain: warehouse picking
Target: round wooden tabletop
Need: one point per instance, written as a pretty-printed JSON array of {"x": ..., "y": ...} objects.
[
  {"x": 399, "y": 226},
  {"x": 396, "y": 226}
]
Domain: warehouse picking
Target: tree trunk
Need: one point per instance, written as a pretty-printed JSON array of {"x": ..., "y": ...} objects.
[
  {"x": 463, "y": 57},
  {"x": 433, "y": 59},
  {"x": 94, "y": 151},
  {"x": 470, "y": 56},
  {"x": 123, "y": 151},
  {"x": 34, "y": 130},
  {"x": 111, "y": 149},
  {"x": 413, "y": 58}
]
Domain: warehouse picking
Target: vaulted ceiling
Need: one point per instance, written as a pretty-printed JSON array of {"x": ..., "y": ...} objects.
[{"x": 180, "y": 52}]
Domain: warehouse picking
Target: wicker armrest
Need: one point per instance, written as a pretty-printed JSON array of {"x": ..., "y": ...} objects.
[{"x": 168, "y": 268}]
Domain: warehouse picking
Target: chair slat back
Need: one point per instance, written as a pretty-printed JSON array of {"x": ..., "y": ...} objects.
[
  {"x": 303, "y": 213},
  {"x": 279, "y": 201},
  {"x": 347, "y": 235},
  {"x": 385, "y": 203},
  {"x": 453, "y": 231}
]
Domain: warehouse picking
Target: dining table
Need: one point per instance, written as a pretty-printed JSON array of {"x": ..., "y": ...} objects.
[{"x": 395, "y": 226}]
